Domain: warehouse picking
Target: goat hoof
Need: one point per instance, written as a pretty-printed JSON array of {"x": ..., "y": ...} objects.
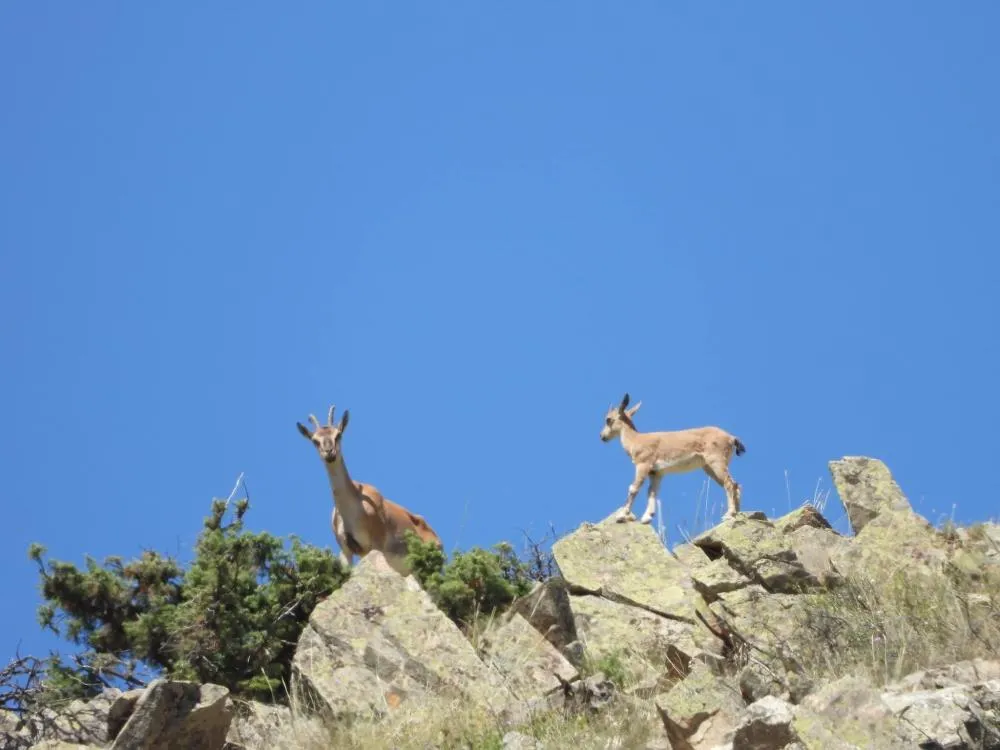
[{"x": 646, "y": 519}]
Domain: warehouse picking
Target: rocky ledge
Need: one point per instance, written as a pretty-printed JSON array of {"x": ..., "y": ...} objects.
[{"x": 736, "y": 637}]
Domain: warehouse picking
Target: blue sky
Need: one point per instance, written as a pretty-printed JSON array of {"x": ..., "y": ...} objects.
[{"x": 475, "y": 226}]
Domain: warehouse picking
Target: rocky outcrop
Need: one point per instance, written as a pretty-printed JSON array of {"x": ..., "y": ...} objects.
[
  {"x": 649, "y": 646},
  {"x": 163, "y": 715},
  {"x": 759, "y": 551},
  {"x": 867, "y": 490},
  {"x": 704, "y": 712},
  {"x": 766, "y": 583},
  {"x": 379, "y": 643},
  {"x": 729, "y": 637},
  {"x": 632, "y": 600},
  {"x": 627, "y": 563}
]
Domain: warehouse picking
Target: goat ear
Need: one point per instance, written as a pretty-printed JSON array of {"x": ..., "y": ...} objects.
[
  {"x": 344, "y": 419},
  {"x": 304, "y": 430},
  {"x": 624, "y": 403},
  {"x": 631, "y": 412}
]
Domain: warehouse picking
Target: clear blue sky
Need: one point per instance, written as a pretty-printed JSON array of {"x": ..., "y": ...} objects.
[{"x": 476, "y": 225}]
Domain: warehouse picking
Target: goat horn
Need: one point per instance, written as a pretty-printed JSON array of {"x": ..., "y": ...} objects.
[{"x": 315, "y": 422}]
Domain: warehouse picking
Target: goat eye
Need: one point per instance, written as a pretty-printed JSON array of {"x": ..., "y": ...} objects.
[{"x": 608, "y": 421}]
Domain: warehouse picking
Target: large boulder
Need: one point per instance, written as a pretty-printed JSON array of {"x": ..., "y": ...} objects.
[
  {"x": 985, "y": 538},
  {"x": 548, "y": 610},
  {"x": 816, "y": 548},
  {"x": 866, "y": 489},
  {"x": 262, "y": 726},
  {"x": 533, "y": 666},
  {"x": 849, "y": 711},
  {"x": 172, "y": 714},
  {"x": 379, "y": 642},
  {"x": 773, "y": 627},
  {"x": 701, "y": 711},
  {"x": 628, "y": 563},
  {"x": 651, "y": 647},
  {"x": 960, "y": 716},
  {"x": 907, "y": 552},
  {"x": 766, "y": 725},
  {"x": 717, "y": 577},
  {"x": 969, "y": 672},
  {"x": 756, "y": 548}
]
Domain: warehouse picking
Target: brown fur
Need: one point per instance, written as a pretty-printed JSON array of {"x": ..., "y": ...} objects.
[
  {"x": 656, "y": 454},
  {"x": 363, "y": 519}
]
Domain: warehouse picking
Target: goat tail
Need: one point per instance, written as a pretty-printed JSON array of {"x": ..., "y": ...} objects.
[{"x": 738, "y": 445}]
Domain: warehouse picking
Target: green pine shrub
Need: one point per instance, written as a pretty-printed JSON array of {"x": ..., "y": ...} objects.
[{"x": 232, "y": 617}]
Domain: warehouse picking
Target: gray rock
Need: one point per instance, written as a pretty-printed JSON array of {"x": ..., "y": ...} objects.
[
  {"x": 701, "y": 711},
  {"x": 757, "y": 681},
  {"x": 690, "y": 555},
  {"x": 260, "y": 726},
  {"x": 627, "y": 563},
  {"x": 575, "y": 653},
  {"x": 718, "y": 577},
  {"x": 961, "y": 716},
  {"x": 532, "y": 665},
  {"x": 804, "y": 516},
  {"x": 379, "y": 642},
  {"x": 847, "y": 713},
  {"x": 867, "y": 489},
  {"x": 591, "y": 694},
  {"x": 758, "y": 550},
  {"x": 648, "y": 645},
  {"x": 520, "y": 741},
  {"x": 773, "y": 626},
  {"x": 96, "y": 721},
  {"x": 971, "y": 672},
  {"x": 548, "y": 610},
  {"x": 172, "y": 714},
  {"x": 766, "y": 725},
  {"x": 815, "y": 549}
]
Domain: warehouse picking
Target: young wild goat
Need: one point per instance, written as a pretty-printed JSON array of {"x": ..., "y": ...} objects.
[
  {"x": 363, "y": 519},
  {"x": 656, "y": 454}
]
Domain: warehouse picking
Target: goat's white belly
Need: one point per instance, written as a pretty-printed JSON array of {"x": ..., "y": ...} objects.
[{"x": 677, "y": 465}]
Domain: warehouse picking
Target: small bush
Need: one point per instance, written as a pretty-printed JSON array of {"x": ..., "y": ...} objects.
[
  {"x": 612, "y": 666},
  {"x": 233, "y": 617},
  {"x": 473, "y": 584}
]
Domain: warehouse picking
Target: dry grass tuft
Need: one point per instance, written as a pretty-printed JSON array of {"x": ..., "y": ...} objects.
[
  {"x": 628, "y": 723},
  {"x": 908, "y": 619}
]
